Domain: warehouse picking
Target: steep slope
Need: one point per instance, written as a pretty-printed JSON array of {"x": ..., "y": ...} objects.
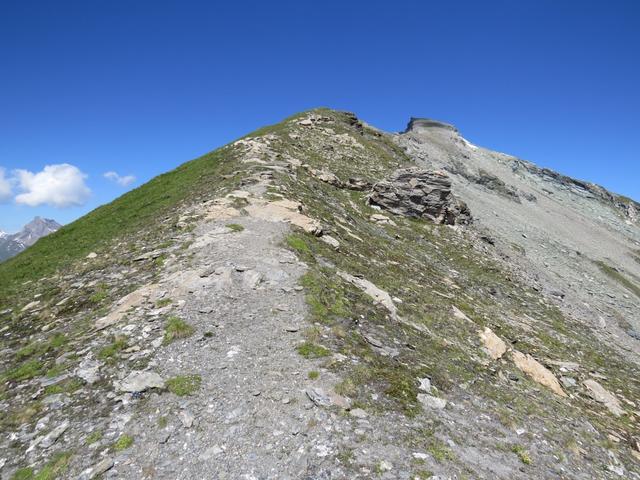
[
  {"x": 13, "y": 244},
  {"x": 575, "y": 240},
  {"x": 256, "y": 313}
]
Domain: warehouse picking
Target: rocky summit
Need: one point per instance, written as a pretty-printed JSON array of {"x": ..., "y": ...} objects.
[{"x": 324, "y": 300}]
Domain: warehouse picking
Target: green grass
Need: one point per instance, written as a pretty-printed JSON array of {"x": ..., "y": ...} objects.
[
  {"x": 28, "y": 351},
  {"x": 176, "y": 328},
  {"x": 55, "y": 468},
  {"x": 20, "y": 415},
  {"x": 522, "y": 454},
  {"x": 129, "y": 214},
  {"x": 313, "y": 375},
  {"x": 297, "y": 242},
  {"x": 110, "y": 352},
  {"x": 440, "y": 452},
  {"x": 25, "y": 473},
  {"x": 618, "y": 277},
  {"x": 67, "y": 386},
  {"x": 312, "y": 350},
  {"x": 57, "y": 341},
  {"x": 124, "y": 442},
  {"x": 163, "y": 302},
  {"x": 93, "y": 437},
  {"x": 53, "y": 343},
  {"x": 184, "y": 385},
  {"x": 100, "y": 294},
  {"x": 235, "y": 227},
  {"x": 26, "y": 371}
]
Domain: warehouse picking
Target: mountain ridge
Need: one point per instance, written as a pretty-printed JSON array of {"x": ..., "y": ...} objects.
[{"x": 302, "y": 303}]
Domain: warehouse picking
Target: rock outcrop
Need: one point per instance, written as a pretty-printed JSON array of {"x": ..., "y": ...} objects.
[{"x": 415, "y": 192}]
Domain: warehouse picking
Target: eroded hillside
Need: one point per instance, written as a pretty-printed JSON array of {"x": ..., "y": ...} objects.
[{"x": 258, "y": 313}]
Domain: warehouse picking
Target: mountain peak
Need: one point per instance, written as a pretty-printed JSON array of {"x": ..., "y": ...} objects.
[
  {"x": 12, "y": 244},
  {"x": 417, "y": 124}
]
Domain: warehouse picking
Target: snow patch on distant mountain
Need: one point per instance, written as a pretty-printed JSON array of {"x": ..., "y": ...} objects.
[{"x": 12, "y": 244}]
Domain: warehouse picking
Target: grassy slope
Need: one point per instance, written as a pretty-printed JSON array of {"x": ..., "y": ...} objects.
[
  {"x": 128, "y": 214},
  {"x": 131, "y": 213}
]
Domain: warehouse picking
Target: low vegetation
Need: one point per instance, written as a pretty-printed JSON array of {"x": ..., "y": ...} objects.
[
  {"x": 312, "y": 350},
  {"x": 54, "y": 469},
  {"x": 110, "y": 352},
  {"x": 522, "y": 454},
  {"x": 235, "y": 227},
  {"x": 618, "y": 277},
  {"x": 175, "y": 329},
  {"x": 124, "y": 441},
  {"x": 184, "y": 385}
]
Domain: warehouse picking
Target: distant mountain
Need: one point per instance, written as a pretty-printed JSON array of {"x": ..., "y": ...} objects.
[{"x": 12, "y": 244}]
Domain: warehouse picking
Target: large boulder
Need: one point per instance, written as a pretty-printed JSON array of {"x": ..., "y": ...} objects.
[{"x": 416, "y": 192}]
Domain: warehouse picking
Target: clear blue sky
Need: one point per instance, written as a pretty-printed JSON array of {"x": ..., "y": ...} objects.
[{"x": 138, "y": 87}]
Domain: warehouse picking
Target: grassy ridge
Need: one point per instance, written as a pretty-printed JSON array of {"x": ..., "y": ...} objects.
[{"x": 128, "y": 214}]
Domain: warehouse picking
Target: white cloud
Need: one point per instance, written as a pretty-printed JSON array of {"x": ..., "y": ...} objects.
[
  {"x": 122, "y": 181},
  {"x": 57, "y": 185},
  {"x": 5, "y": 187}
]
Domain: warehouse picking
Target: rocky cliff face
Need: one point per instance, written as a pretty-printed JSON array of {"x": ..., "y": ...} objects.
[
  {"x": 321, "y": 299},
  {"x": 12, "y": 244}
]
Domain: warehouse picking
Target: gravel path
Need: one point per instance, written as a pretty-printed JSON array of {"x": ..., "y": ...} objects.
[{"x": 251, "y": 417}]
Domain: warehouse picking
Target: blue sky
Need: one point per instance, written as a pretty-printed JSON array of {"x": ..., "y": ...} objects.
[{"x": 137, "y": 88}]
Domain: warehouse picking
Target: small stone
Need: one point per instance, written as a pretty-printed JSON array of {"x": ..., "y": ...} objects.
[
  {"x": 319, "y": 397},
  {"x": 329, "y": 240},
  {"x": 211, "y": 452},
  {"x": 430, "y": 401},
  {"x": 91, "y": 255},
  {"x": 46, "y": 441},
  {"x": 256, "y": 393},
  {"x": 233, "y": 352},
  {"x": 537, "y": 372},
  {"x": 251, "y": 279},
  {"x": 98, "y": 469},
  {"x": 373, "y": 341},
  {"x": 601, "y": 395},
  {"x": 187, "y": 418},
  {"x": 385, "y": 466},
  {"x": 358, "y": 413},
  {"x": 31, "y": 305},
  {"x": 425, "y": 384},
  {"x": 291, "y": 328},
  {"x": 140, "y": 382},
  {"x": 241, "y": 268},
  {"x": 493, "y": 345},
  {"x": 382, "y": 219}
]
